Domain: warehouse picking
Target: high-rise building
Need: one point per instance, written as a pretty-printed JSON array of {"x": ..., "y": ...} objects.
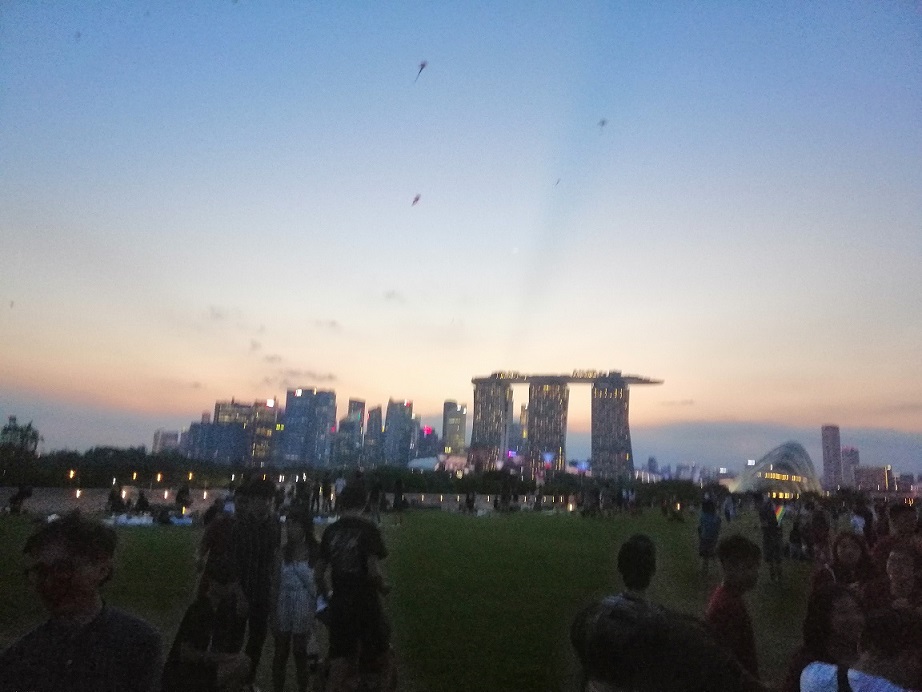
[
  {"x": 454, "y": 425},
  {"x": 492, "y": 409},
  {"x": 266, "y": 426},
  {"x": 652, "y": 466},
  {"x": 356, "y": 412},
  {"x": 297, "y": 426},
  {"x": 849, "y": 465},
  {"x": 165, "y": 440},
  {"x": 832, "y": 457},
  {"x": 611, "y": 435},
  {"x": 323, "y": 426},
  {"x": 373, "y": 447},
  {"x": 548, "y": 401},
  {"x": 398, "y": 432},
  {"x": 260, "y": 421}
]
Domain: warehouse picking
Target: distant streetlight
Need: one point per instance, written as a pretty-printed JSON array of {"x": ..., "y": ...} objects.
[
  {"x": 159, "y": 477},
  {"x": 71, "y": 474}
]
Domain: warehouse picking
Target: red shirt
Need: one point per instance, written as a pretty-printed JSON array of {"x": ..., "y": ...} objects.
[{"x": 729, "y": 620}]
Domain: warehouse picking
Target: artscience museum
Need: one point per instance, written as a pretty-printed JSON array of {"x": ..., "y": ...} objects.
[{"x": 785, "y": 473}]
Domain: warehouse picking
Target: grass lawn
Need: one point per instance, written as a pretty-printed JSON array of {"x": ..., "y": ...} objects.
[{"x": 478, "y": 603}]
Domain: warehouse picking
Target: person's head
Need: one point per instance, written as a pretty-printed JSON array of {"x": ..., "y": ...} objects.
[
  {"x": 637, "y": 561},
  {"x": 739, "y": 558},
  {"x": 259, "y": 496},
  {"x": 834, "y": 619},
  {"x": 849, "y": 549},
  {"x": 902, "y": 519},
  {"x": 69, "y": 559},
  {"x": 351, "y": 499}
]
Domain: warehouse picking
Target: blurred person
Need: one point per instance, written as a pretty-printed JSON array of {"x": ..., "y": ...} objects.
[
  {"x": 771, "y": 537},
  {"x": 295, "y": 601},
  {"x": 85, "y": 645},
  {"x": 620, "y": 641},
  {"x": 902, "y": 532},
  {"x": 254, "y": 541},
  {"x": 831, "y": 628},
  {"x": 351, "y": 549},
  {"x": 851, "y": 564},
  {"x": 708, "y": 533},
  {"x": 887, "y": 661},
  {"x": 900, "y": 587},
  {"x": 726, "y": 611},
  {"x": 197, "y": 661}
]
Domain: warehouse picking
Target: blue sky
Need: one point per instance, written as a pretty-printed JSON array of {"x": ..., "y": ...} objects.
[{"x": 206, "y": 200}]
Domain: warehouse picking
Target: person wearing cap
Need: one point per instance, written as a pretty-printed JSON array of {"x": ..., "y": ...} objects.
[{"x": 86, "y": 645}]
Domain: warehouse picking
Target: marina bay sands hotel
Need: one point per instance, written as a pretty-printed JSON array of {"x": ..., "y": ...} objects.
[{"x": 545, "y": 430}]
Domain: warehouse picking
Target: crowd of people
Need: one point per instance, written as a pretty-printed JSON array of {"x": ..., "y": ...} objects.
[
  {"x": 862, "y": 630},
  {"x": 260, "y": 570}
]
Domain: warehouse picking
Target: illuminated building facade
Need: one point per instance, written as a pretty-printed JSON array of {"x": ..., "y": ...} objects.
[
  {"x": 492, "y": 408},
  {"x": 785, "y": 473},
  {"x": 454, "y": 425},
  {"x": 398, "y": 432},
  {"x": 544, "y": 421},
  {"x": 308, "y": 426},
  {"x": 265, "y": 426},
  {"x": 260, "y": 422},
  {"x": 612, "y": 456},
  {"x": 323, "y": 426},
  {"x": 874, "y": 478},
  {"x": 373, "y": 449},
  {"x": 548, "y": 401},
  {"x": 832, "y": 457}
]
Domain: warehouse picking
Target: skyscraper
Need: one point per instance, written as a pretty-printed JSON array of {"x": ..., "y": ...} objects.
[
  {"x": 165, "y": 440},
  {"x": 492, "y": 409},
  {"x": 259, "y": 421},
  {"x": 454, "y": 424},
  {"x": 264, "y": 428},
  {"x": 832, "y": 457},
  {"x": 296, "y": 426},
  {"x": 356, "y": 412},
  {"x": 373, "y": 450},
  {"x": 611, "y": 436},
  {"x": 398, "y": 432},
  {"x": 323, "y": 425},
  {"x": 548, "y": 401},
  {"x": 849, "y": 466}
]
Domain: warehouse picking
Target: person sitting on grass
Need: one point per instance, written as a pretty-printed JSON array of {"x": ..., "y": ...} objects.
[
  {"x": 86, "y": 645},
  {"x": 887, "y": 662},
  {"x": 196, "y": 662},
  {"x": 726, "y": 611}
]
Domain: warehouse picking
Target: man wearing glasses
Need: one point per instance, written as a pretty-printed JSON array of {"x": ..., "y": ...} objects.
[{"x": 85, "y": 645}]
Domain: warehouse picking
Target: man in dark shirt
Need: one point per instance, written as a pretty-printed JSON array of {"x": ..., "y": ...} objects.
[
  {"x": 85, "y": 645},
  {"x": 359, "y": 632},
  {"x": 254, "y": 541}
]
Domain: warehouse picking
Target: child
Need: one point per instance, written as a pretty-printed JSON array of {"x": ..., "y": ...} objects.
[
  {"x": 708, "y": 531},
  {"x": 726, "y": 612},
  {"x": 296, "y": 601}
]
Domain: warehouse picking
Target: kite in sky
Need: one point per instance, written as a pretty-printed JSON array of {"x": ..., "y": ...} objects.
[
  {"x": 602, "y": 123},
  {"x": 422, "y": 66},
  {"x": 415, "y": 200}
]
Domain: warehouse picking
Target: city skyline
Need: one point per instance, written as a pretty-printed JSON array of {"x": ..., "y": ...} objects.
[{"x": 200, "y": 203}]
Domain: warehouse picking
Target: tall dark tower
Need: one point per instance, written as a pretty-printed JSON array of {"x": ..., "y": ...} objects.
[
  {"x": 492, "y": 407},
  {"x": 548, "y": 399},
  {"x": 612, "y": 456}
]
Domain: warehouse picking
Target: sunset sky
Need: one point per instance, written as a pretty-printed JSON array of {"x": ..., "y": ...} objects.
[{"x": 208, "y": 200}]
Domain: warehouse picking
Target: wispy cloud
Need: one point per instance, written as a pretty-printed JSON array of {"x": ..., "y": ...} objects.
[
  {"x": 678, "y": 402},
  {"x": 216, "y": 313},
  {"x": 904, "y": 407},
  {"x": 255, "y": 345},
  {"x": 293, "y": 377},
  {"x": 393, "y": 296},
  {"x": 332, "y": 325},
  {"x": 272, "y": 358}
]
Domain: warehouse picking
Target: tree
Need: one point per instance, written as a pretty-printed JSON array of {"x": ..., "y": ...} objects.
[{"x": 18, "y": 446}]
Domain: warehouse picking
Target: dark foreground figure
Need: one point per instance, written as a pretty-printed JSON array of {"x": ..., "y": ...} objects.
[{"x": 86, "y": 645}]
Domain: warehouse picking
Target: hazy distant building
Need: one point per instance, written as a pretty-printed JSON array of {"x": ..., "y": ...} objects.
[
  {"x": 323, "y": 426},
  {"x": 373, "y": 448},
  {"x": 165, "y": 440},
  {"x": 612, "y": 456},
  {"x": 874, "y": 478},
  {"x": 260, "y": 422},
  {"x": 832, "y": 457},
  {"x": 398, "y": 432},
  {"x": 652, "y": 466},
  {"x": 787, "y": 470},
  {"x": 849, "y": 465},
  {"x": 356, "y": 412},
  {"x": 548, "y": 401},
  {"x": 454, "y": 426},
  {"x": 428, "y": 443},
  {"x": 308, "y": 426},
  {"x": 904, "y": 482},
  {"x": 266, "y": 425}
]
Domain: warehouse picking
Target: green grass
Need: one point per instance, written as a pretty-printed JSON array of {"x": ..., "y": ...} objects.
[{"x": 478, "y": 603}]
